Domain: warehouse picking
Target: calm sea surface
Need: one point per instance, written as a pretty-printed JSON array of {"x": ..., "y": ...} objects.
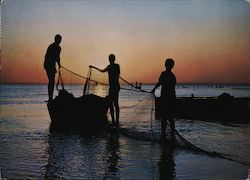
[{"x": 29, "y": 150}]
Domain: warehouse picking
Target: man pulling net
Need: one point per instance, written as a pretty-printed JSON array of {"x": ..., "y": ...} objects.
[
  {"x": 168, "y": 97},
  {"x": 113, "y": 70}
]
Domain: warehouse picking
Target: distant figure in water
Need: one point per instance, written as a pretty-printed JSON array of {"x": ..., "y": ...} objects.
[
  {"x": 113, "y": 70},
  {"x": 168, "y": 98},
  {"x": 51, "y": 57}
]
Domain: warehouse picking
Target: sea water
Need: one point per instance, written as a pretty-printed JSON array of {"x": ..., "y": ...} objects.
[{"x": 29, "y": 150}]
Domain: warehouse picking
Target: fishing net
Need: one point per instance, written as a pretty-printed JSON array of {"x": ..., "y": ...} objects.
[
  {"x": 137, "y": 104},
  {"x": 137, "y": 109}
]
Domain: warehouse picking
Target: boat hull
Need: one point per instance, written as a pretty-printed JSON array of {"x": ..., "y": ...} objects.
[
  {"x": 86, "y": 113},
  {"x": 215, "y": 109}
]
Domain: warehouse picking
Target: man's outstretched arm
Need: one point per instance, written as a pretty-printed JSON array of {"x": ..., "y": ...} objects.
[{"x": 101, "y": 70}]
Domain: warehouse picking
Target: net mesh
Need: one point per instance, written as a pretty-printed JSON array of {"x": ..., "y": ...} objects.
[
  {"x": 137, "y": 109},
  {"x": 137, "y": 106}
]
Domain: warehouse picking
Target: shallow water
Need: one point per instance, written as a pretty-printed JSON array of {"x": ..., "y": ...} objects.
[{"x": 30, "y": 150}]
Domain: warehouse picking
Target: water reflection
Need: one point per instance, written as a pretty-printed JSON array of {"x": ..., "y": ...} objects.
[
  {"x": 55, "y": 156},
  {"x": 76, "y": 155},
  {"x": 167, "y": 163},
  {"x": 99, "y": 90},
  {"x": 112, "y": 155}
]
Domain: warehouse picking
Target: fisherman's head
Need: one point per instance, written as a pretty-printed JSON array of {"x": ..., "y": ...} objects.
[
  {"x": 169, "y": 64},
  {"x": 111, "y": 58},
  {"x": 58, "y": 39}
]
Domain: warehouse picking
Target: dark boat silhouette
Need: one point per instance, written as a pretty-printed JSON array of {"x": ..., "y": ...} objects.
[
  {"x": 86, "y": 113},
  {"x": 224, "y": 108}
]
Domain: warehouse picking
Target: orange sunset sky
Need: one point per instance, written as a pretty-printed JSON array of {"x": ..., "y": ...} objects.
[{"x": 209, "y": 40}]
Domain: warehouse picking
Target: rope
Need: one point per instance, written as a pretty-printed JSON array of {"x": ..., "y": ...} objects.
[
  {"x": 213, "y": 154},
  {"x": 90, "y": 71},
  {"x": 133, "y": 85},
  {"x": 151, "y": 120},
  {"x": 87, "y": 83},
  {"x": 84, "y": 77},
  {"x": 140, "y": 101},
  {"x": 98, "y": 82},
  {"x": 58, "y": 81}
]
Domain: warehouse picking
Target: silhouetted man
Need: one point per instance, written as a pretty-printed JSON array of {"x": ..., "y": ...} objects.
[
  {"x": 168, "y": 98},
  {"x": 113, "y": 70},
  {"x": 51, "y": 57}
]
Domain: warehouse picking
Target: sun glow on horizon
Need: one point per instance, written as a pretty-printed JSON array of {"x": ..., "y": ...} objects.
[{"x": 209, "y": 40}]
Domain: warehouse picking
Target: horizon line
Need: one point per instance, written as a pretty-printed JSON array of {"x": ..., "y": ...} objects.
[{"x": 180, "y": 83}]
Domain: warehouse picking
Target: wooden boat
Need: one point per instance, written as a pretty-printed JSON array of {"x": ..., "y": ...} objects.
[
  {"x": 86, "y": 113},
  {"x": 225, "y": 108}
]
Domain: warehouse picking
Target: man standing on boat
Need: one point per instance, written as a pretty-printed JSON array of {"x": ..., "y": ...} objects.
[
  {"x": 168, "y": 97},
  {"x": 51, "y": 57},
  {"x": 113, "y": 70}
]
